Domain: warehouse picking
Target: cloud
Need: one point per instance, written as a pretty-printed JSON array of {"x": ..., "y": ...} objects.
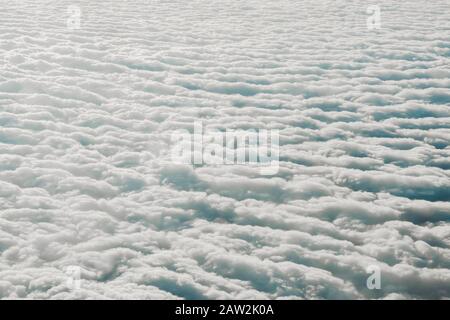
[{"x": 87, "y": 179}]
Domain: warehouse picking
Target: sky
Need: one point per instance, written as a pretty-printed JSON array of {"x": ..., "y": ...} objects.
[{"x": 95, "y": 203}]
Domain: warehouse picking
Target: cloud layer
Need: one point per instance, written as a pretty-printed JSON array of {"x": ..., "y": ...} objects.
[{"x": 86, "y": 177}]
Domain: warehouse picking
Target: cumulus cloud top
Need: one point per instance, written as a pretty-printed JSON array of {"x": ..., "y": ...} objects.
[{"x": 86, "y": 177}]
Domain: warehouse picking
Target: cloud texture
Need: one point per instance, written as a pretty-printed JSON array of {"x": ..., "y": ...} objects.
[{"x": 86, "y": 177}]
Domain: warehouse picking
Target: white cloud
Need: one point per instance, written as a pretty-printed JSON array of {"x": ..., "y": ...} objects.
[{"x": 86, "y": 177}]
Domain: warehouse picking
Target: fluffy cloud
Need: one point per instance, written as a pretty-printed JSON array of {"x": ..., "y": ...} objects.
[{"x": 86, "y": 177}]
